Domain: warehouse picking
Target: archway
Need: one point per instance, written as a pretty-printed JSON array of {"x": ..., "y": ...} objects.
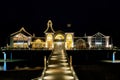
[
  {"x": 59, "y": 37},
  {"x": 59, "y": 41},
  {"x": 81, "y": 44}
]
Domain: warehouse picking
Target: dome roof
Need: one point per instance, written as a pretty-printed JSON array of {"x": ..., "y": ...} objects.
[{"x": 59, "y": 31}]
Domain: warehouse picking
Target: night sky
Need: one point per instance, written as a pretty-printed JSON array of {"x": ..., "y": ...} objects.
[{"x": 85, "y": 16}]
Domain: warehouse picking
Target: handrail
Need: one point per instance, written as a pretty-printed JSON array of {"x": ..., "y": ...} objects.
[
  {"x": 71, "y": 67},
  {"x": 50, "y": 56},
  {"x": 74, "y": 74}
]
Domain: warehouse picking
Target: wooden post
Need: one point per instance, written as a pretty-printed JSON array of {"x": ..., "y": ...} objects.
[
  {"x": 70, "y": 60},
  {"x": 45, "y": 62}
]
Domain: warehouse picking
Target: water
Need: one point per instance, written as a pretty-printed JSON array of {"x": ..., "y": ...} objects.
[
  {"x": 19, "y": 64},
  {"x": 26, "y": 66},
  {"x": 4, "y": 66}
]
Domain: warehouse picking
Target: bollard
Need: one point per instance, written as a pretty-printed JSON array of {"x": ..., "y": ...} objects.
[
  {"x": 4, "y": 56},
  {"x": 113, "y": 57}
]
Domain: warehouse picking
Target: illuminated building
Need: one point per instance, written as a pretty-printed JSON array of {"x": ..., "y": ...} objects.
[
  {"x": 20, "y": 39},
  {"x": 99, "y": 40},
  {"x": 23, "y": 39}
]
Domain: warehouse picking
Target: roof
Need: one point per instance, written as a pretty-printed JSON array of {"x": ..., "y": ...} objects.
[
  {"x": 59, "y": 31},
  {"x": 98, "y": 34},
  {"x": 49, "y": 27},
  {"x": 23, "y": 31},
  {"x": 41, "y": 38}
]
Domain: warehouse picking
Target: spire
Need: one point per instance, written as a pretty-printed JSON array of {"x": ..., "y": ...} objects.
[
  {"x": 49, "y": 23},
  {"x": 49, "y": 27}
]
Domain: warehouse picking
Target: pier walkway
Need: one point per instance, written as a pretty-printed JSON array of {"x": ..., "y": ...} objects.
[{"x": 58, "y": 66}]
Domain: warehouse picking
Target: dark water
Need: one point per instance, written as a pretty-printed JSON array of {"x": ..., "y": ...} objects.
[
  {"x": 16, "y": 64},
  {"x": 88, "y": 66},
  {"x": 20, "y": 69},
  {"x": 27, "y": 70}
]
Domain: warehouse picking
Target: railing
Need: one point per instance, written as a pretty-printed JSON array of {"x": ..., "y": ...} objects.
[
  {"x": 46, "y": 63},
  {"x": 72, "y": 69}
]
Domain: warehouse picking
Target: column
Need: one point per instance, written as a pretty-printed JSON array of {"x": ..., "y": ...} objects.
[
  {"x": 107, "y": 41},
  {"x": 4, "y": 56},
  {"x": 113, "y": 56},
  {"x": 89, "y": 41}
]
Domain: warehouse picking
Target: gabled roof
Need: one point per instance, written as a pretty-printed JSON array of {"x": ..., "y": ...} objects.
[
  {"x": 49, "y": 27},
  {"x": 23, "y": 31},
  {"x": 98, "y": 34}
]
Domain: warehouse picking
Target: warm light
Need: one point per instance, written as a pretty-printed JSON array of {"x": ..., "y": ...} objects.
[
  {"x": 59, "y": 43},
  {"x": 65, "y": 68},
  {"x": 64, "y": 77},
  {"x": 53, "y": 58},
  {"x": 59, "y": 36},
  {"x": 58, "y": 71},
  {"x": 49, "y": 77},
  {"x": 68, "y": 77},
  {"x": 40, "y": 79},
  {"x": 64, "y": 63},
  {"x": 63, "y": 60},
  {"x": 52, "y": 65},
  {"x": 89, "y": 41},
  {"x": 49, "y": 37}
]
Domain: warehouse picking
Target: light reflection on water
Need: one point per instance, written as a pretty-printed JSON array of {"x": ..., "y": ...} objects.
[
  {"x": 3, "y": 67},
  {"x": 19, "y": 64},
  {"x": 6, "y": 64}
]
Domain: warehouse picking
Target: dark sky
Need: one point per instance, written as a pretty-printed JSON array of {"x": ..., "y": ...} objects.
[{"x": 86, "y": 16}]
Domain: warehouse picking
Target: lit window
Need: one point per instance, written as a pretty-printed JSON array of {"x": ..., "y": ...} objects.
[{"x": 98, "y": 43}]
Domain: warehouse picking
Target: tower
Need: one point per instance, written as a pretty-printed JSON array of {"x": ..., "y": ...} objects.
[{"x": 49, "y": 33}]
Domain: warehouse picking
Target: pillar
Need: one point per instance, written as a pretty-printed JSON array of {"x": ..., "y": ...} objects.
[
  {"x": 89, "y": 41},
  {"x": 107, "y": 41},
  {"x": 4, "y": 56},
  {"x": 113, "y": 56}
]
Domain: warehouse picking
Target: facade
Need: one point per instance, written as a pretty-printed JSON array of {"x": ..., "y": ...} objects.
[
  {"x": 20, "y": 39},
  {"x": 99, "y": 40},
  {"x": 23, "y": 39}
]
